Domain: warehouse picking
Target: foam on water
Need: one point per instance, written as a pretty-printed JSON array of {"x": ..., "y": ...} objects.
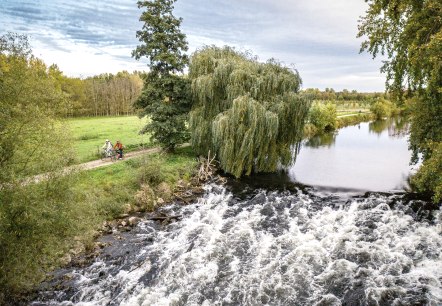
[{"x": 277, "y": 248}]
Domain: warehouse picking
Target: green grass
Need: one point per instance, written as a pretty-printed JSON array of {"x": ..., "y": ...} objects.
[
  {"x": 90, "y": 133},
  {"x": 348, "y": 111},
  {"x": 65, "y": 213},
  {"x": 112, "y": 187}
]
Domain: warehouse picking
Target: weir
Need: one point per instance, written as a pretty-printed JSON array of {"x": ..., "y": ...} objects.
[
  {"x": 267, "y": 240},
  {"x": 274, "y": 248}
]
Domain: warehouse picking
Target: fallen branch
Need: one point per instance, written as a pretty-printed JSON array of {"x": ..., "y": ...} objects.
[{"x": 158, "y": 218}]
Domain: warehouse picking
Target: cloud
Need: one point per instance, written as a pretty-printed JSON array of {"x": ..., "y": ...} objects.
[{"x": 318, "y": 37}]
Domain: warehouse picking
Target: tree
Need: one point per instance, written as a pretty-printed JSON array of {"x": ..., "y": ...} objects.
[
  {"x": 409, "y": 33},
  {"x": 165, "y": 97},
  {"x": 247, "y": 113},
  {"x": 323, "y": 116},
  {"x": 35, "y": 219}
]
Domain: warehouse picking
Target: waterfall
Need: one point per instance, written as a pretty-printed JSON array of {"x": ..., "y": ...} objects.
[{"x": 270, "y": 248}]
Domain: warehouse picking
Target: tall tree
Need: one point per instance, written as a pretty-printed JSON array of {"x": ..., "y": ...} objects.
[
  {"x": 165, "y": 97},
  {"x": 409, "y": 33},
  {"x": 34, "y": 218},
  {"x": 247, "y": 113}
]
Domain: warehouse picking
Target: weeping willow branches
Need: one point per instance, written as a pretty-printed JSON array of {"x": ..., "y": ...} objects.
[{"x": 248, "y": 113}]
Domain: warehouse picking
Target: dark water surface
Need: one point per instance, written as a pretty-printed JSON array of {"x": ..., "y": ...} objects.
[
  {"x": 371, "y": 156},
  {"x": 265, "y": 240}
]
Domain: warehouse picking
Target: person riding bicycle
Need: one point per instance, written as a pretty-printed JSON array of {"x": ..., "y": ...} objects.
[
  {"x": 107, "y": 148},
  {"x": 119, "y": 149}
]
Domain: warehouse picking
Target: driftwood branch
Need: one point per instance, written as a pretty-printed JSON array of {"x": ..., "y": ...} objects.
[
  {"x": 207, "y": 168},
  {"x": 164, "y": 218}
]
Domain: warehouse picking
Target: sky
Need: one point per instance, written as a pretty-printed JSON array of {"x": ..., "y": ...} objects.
[{"x": 88, "y": 37}]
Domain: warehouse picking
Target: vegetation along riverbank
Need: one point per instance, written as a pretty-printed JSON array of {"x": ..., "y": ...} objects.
[{"x": 245, "y": 115}]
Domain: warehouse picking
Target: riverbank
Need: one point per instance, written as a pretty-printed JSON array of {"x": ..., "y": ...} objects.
[
  {"x": 115, "y": 192},
  {"x": 336, "y": 122}
]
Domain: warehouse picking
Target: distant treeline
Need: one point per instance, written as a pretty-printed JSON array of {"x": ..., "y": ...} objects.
[
  {"x": 101, "y": 95},
  {"x": 346, "y": 97},
  {"x": 115, "y": 94}
]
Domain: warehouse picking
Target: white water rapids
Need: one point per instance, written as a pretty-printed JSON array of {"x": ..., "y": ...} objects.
[{"x": 277, "y": 248}]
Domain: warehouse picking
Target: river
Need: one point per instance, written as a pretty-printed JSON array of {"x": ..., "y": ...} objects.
[{"x": 335, "y": 229}]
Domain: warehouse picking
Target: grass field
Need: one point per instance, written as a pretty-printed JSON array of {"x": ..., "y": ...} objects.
[{"x": 89, "y": 134}]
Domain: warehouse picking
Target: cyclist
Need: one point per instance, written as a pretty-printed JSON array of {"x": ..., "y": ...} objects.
[
  {"x": 119, "y": 149},
  {"x": 107, "y": 148}
]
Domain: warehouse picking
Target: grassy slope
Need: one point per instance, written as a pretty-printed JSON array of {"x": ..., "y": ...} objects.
[
  {"x": 110, "y": 188},
  {"x": 100, "y": 194},
  {"x": 90, "y": 133}
]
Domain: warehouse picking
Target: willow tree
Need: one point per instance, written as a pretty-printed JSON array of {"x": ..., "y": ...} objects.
[{"x": 246, "y": 112}]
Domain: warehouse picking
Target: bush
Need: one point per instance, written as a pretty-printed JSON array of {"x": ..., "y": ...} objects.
[
  {"x": 384, "y": 108},
  {"x": 151, "y": 172},
  {"x": 159, "y": 174},
  {"x": 37, "y": 224},
  {"x": 37, "y": 221},
  {"x": 323, "y": 116},
  {"x": 428, "y": 178}
]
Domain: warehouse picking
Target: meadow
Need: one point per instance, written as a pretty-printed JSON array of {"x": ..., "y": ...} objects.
[{"x": 90, "y": 133}]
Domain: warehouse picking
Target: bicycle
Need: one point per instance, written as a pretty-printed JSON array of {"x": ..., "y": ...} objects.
[{"x": 111, "y": 154}]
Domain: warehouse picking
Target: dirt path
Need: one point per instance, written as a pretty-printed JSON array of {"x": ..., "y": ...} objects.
[
  {"x": 350, "y": 115},
  {"x": 101, "y": 163},
  {"x": 95, "y": 164}
]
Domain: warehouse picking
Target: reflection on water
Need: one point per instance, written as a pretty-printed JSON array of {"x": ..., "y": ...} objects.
[
  {"x": 370, "y": 156},
  {"x": 396, "y": 127},
  {"x": 322, "y": 140}
]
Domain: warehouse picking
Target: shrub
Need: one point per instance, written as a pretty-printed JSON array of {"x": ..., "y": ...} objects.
[
  {"x": 151, "y": 172},
  {"x": 145, "y": 198},
  {"x": 36, "y": 224},
  {"x": 384, "y": 108},
  {"x": 428, "y": 178},
  {"x": 323, "y": 116}
]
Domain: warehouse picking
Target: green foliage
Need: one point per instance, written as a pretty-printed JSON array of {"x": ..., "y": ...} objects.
[
  {"x": 246, "y": 112},
  {"x": 103, "y": 95},
  {"x": 429, "y": 177},
  {"x": 409, "y": 33},
  {"x": 35, "y": 222},
  {"x": 352, "y": 120},
  {"x": 426, "y": 123},
  {"x": 165, "y": 97},
  {"x": 151, "y": 172},
  {"x": 166, "y": 101},
  {"x": 323, "y": 116},
  {"x": 163, "y": 43},
  {"x": 159, "y": 175},
  {"x": 29, "y": 103},
  {"x": 345, "y": 96},
  {"x": 383, "y": 108},
  {"x": 35, "y": 219}
]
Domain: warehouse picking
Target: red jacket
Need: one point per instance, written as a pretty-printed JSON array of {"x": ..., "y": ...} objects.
[{"x": 118, "y": 146}]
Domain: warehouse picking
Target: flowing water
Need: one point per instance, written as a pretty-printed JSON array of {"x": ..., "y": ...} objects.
[{"x": 268, "y": 241}]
